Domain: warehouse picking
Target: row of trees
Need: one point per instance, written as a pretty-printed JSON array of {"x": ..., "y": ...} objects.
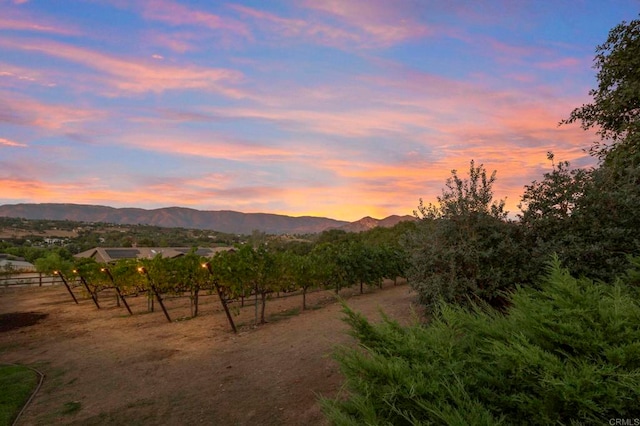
[{"x": 242, "y": 272}]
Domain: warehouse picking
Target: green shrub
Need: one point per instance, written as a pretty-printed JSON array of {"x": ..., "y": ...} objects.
[
  {"x": 566, "y": 354},
  {"x": 464, "y": 248}
]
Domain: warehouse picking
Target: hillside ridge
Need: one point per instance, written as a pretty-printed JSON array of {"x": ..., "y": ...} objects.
[{"x": 228, "y": 221}]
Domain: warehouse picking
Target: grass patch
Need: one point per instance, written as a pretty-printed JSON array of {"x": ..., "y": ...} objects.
[
  {"x": 17, "y": 382},
  {"x": 71, "y": 407},
  {"x": 284, "y": 314}
]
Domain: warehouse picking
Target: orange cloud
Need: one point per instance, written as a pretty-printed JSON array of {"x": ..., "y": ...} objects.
[
  {"x": 352, "y": 123},
  {"x": 207, "y": 192},
  {"x": 208, "y": 147}
]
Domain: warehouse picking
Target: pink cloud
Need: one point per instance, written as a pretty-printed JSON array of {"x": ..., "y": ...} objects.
[
  {"x": 10, "y": 143},
  {"x": 296, "y": 28},
  {"x": 209, "y": 146},
  {"x": 176, "y": 41},
  {"x": 565, "y": 63},
  {"x": 385, "y": 23},
  {"x": 134, "y": 75},
  {"x": 355, "y": 123},
  {"x": 353, "y": 30},
  {"x": 24, "y": 111},
  {"x": 15, "y": 20},
  {"x": 176, "y": 14},
  {"x": 513, "y": 52},
  {"x": 14, "y": 76}
]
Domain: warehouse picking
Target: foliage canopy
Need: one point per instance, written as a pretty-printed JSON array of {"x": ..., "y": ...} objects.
[{"x": 566, "y": 354}]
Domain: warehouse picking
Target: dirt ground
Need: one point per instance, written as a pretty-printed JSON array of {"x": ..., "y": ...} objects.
[{"x": 106, "y": 367}]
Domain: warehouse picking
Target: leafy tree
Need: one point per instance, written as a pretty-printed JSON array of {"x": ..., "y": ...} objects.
[
  {"x": 127, "y": 277},
  {"x": 548, "y": 207},
  {"x": 615, "y": 110},
  {"x": 268, "y": 271},
  {"x": 464, "y": 248},
  {"x": 250, "y": 270},
  {"x": 91, "y": 271},
  {"x": 394, "y": 262},
  {"x": 332, "y": 272},
  {"x": 333, "y": 236},
  {"x": 464, "y": 197},
  {"x": 365, "y": 264},
  {"x": 566, "y": 354},
  {"x": 304, "y": 272},
  {"x": 30, "y": 254},
  {"x": 232, "y": 271},
  {"x": 590, "y": 217},
  {"x": 53, "y": 262},
  {"x": 605, "y": 224},
  {"x": 190, "y": 276},
  {"x": 555, "y": 197}
]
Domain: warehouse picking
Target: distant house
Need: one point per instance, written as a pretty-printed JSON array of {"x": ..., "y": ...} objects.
[
  {"x": 112, "y": 254},
  {"x": 54, "y": 241},
  {"x": 9, "y": 263}
]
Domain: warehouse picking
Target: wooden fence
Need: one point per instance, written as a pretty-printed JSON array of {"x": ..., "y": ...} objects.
[{"x": 24, "y": 279}]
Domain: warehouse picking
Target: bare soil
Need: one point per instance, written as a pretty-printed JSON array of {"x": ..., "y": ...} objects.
[
  {"x": 20, "y": 233},
  {"x": 104, "y": 367}
]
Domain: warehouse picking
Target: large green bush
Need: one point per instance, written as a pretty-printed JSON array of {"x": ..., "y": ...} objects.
[
  {"x": 568, "y": 353},
  {"x": 464, "y": 248}
]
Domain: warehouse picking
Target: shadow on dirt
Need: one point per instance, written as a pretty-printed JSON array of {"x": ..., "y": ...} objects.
[{"x": 15, "y": 320}]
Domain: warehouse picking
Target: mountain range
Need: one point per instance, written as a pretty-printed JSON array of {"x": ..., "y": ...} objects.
[{"x": 180, "y": 217}]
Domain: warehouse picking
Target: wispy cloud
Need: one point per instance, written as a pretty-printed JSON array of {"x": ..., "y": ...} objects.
[
  {"x": 11, "y": 75},
  {"x": 354, "y": 123},
  {"x": 381, "y": 23},
  {"x": 24, "y": 111},
  {"x": 209, "y": 146},
  {"x": 20, "y": 21},
  {"x": 298, "y": 29},
  {"x": 10, "y": 143},
  {"x": 339, "y": 24},
  {"x": 128, "y": 75},
  {"x": 176, "y": 14},
  {"x": 565, "y": 63}
]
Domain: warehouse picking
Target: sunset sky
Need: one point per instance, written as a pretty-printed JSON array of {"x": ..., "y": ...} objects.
[{"x": 337, "y": 108}]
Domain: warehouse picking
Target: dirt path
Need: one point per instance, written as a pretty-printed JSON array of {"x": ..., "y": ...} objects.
[{"x": 105, "y": 367}]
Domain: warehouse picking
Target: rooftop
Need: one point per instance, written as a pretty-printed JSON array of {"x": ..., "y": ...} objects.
[{"x": 111, "y": 254}]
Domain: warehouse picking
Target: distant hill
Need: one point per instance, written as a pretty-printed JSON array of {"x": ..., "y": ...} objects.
[
  {"x": 368, "y": 222},
  {"x": 179, "y": 217}
]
